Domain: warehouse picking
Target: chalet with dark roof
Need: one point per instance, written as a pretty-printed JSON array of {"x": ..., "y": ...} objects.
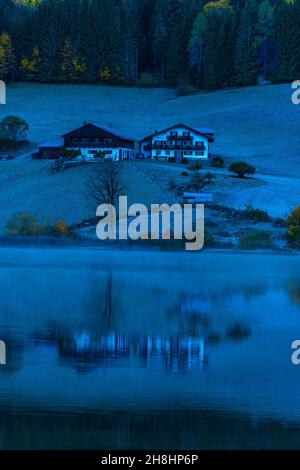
[{"x": 91, "y": 141}]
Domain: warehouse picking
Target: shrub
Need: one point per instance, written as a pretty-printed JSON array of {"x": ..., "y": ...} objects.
[
  {"x": 69, "y": 154},
  {"x": 62, "y": 229},
  {"x": 184, "y": 161},
  {"x": 172, "y": 160},
  {"x": 293, "y": 232},
  {"x": 172, "y": 184},
  {"x": 24, "y": 224},
  {"x": 256, "y": 215},
  {"x": 184, "y": 173},
  {"x": 13, "y": 128},
  {"x": 255, "y": 239},
  {"x": 217, "y": 162},
  {"x": 196, "y": 166},
  {"x": 241, "y": 169},
  {"x": 6, "y": 144}
]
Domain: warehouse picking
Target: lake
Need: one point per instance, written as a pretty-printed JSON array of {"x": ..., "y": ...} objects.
[{"x": 136, "y": 350}]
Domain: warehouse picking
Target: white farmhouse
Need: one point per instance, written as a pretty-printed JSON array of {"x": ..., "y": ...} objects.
[{"x": 179, "y": 141}]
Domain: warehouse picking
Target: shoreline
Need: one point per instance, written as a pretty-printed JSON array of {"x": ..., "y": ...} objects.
[{"x": 33, "y": 243}]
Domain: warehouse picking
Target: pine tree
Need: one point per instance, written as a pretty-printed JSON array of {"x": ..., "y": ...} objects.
[
  {"x": 7, "y": 58},
  {"x": 219, "y": 51},
  {"x": 266, "y": 50},
  {"x": 196, "y": 47},
  {"x": 245, "y": 66},
  {"x": 287, "y": 36}
]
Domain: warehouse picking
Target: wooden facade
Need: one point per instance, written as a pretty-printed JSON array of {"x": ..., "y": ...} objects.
[{"x": 90, "y": 139}]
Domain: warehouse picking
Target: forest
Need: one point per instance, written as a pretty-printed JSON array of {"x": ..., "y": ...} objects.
[{"x": 188, "y": 44}]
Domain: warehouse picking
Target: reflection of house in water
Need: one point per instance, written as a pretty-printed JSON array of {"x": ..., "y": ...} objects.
[
  {"x": 86, "y": 346},
  {"x": 168, "y": 353},
  {"x": 175, "y": 354}
]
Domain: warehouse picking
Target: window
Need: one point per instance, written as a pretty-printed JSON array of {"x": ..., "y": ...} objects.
[
  {"x": 168, "y": 153},
  {"x": 158, "y": 153},
  {"x": 200, "y": 144},
  {"x": 199, "y": 154},
  {"x": 174, "y": 133},
  {"x": 186, "y": 134},
  {"x": 108, "y": 141}
]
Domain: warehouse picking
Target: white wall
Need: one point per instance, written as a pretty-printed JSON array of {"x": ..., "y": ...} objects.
[
  {"x": 191, "y": 153},
  {"x": 114, "y": 155}
]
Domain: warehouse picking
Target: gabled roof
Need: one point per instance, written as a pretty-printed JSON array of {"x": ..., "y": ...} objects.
[
  {"x": 52, "y": 144},
  {"x": 208, "y": 133},
  {"x": 91, "y": 128}
]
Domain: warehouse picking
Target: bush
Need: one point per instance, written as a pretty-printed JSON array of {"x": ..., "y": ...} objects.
[
  {"x": 24, "y": 224},
  {"x": 7, "y": 145},
  {"x": 184, "y": 173},
  {"x": 217, "y": 162},
  {"x": 172, "y": 160},
  {"x": 255, "y": 239},
  {"x": 172, "y": 184},
  {"x": 293, "y": 223},
  {"x": 184, "y": 161},
  {"x": 241, "y": 169},
  {"x": 196, "y": 166},
  {"x": 256, "y": 215},
  {"x": 62, "y": 229},
  {"x": 13, "y": 128}
]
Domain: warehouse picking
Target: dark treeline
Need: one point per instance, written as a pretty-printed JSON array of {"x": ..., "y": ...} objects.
[{"x": 183, "y": 43}]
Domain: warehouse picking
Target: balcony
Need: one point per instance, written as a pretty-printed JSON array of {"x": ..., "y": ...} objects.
[
  {"x": 167, "y": 146},
  {"x": 94, "y": 145},
  {"x": 180, "y": 137}
]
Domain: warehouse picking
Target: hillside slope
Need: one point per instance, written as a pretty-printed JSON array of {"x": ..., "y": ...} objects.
[{"x": 259, "y": 124}]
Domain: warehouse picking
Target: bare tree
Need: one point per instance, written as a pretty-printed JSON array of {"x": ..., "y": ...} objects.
[{"x": 105, "y": 183}]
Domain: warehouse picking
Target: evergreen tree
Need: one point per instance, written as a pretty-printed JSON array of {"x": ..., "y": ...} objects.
[
  {"x": 196, "y": 47},
  {"x": 287, "y": 36},
  {"x": 245, "y": 66},
  {"x": 7, "y": 58},
  {"x": 217, "y": 44},
  {"x": 266, "y": 50}
]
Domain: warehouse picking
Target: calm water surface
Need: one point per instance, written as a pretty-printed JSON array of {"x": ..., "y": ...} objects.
[{"x": 136, "y": 350}]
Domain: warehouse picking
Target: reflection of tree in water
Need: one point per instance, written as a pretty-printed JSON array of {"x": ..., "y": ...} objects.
[
  {"x": 293, "y": 289},
  {"x": 99, "y": 307},
  {"x": 195, "y": 317},
  {"x": 192, "y": 314}
]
